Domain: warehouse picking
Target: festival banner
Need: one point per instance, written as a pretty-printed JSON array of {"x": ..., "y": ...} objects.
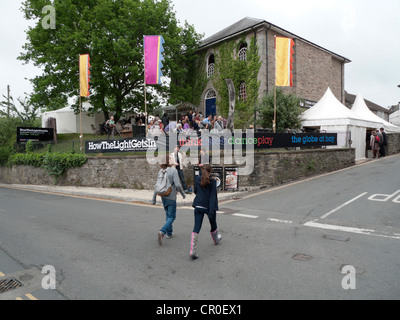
[
  {"x": 84, "y": 75},
  {"x": 153, "y": 58},
  {"x": 284, "y": 61}
]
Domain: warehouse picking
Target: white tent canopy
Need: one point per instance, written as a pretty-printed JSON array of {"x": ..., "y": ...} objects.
[
  {"x": 69, "y": 122},
  {"x": 360, "y": 108},
  {"x": 331, "y": 116},
  {"x": 329, "y": 110}
]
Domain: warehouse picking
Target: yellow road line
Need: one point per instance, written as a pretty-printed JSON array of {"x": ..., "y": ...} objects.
[{"x": 28, "y": 295}]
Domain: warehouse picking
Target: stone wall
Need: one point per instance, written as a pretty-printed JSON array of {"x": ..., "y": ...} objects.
[
  {"x": 393, "y": 146},
  {"x": 270, "y": 169}
]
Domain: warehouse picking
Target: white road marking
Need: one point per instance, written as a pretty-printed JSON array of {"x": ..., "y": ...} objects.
[
  {"x": 245, "y": 216},
  {"x": 343, "y": 205},
  {"x": 385, "y": 197},
  {"x": 280, "y": 221},
  {"x": 313, "y": 224}
]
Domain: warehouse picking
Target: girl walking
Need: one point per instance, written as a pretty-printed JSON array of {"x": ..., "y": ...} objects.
[
  {"x": 168, "y": 198},
  {"x": 205, "y": 202}
]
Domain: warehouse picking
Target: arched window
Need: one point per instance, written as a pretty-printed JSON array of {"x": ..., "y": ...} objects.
[
  {"x": 242, "y": 92},
  {"x": 210, "y": 65},
  {"x": 211, "y": 94},
  {"x": 243, "y": 51}
]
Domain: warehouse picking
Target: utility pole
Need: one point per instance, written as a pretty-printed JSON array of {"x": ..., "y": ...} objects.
[{"x": 8, "y": 101}]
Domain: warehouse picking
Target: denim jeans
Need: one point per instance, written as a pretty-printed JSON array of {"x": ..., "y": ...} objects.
[
  {"x": 170, "y": 214},
  {"x": 182, "y": 179},
  {"x": 198, "y": 219}
]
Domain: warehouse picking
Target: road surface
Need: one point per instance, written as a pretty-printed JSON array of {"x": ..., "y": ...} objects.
[{"x": 335, "y": 236}]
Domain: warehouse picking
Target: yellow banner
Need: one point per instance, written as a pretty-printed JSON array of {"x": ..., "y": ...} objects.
[
  {"x": 284, "y": 62},
  {"x": 84, "y": 73}
]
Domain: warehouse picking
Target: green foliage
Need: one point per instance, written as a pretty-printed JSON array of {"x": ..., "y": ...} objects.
[
  {"x": 27, "y": 159},
  {"x": 8, "y": 131},
  {"x": 111, "y": 32},
  {"x": 198, "y": 79},
  {"x": 8, "y": 136},
  {"x": 58, "y": 163},
  {"x": 5, "y": 152},
  {"x": 29, "y": 146},
  {"x": 288, "y": 111},
  {"x": 26, "y": 113},
  {"x": 49, "y": 148},
  {"x": 228, "y": 66},
  {"x": 55, "y": 163}
]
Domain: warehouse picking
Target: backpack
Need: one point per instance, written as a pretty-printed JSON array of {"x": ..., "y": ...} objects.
[
  {"x": 163, "y": 187},
  {"x": 377, "y": 139}
]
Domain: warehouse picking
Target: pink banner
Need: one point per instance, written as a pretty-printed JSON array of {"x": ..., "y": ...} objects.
[{"x": 153, "y": 59}]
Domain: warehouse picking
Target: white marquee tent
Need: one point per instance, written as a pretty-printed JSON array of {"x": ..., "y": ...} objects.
[
  {"x": 69, "y": 122},
  {"x": 360, "y": 108},
  {"x": 331, "y": 116}
]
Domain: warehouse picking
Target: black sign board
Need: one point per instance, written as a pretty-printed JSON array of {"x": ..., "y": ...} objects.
[
  {"x": 257, "y": 140},
  {"x": 34, "y": 134},
  {"x": 116, "y": 146},
  {"x": 262, "y": 140}
]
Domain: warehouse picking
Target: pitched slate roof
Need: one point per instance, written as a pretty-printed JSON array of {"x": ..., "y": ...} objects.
[
  {"x": 247, "y": 24},
  {"x": 236, "y": 28}
]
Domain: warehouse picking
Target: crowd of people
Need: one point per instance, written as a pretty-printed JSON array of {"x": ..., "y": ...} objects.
[
  {"x": 378, "y": 142},
  {"x": 190, "y": 123}
]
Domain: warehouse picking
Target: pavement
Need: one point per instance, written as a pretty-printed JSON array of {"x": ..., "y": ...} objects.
[{"x": 127, "y": 195}]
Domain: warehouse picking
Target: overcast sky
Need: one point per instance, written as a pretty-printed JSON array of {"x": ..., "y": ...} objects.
[{"x": 364, "y": 31}]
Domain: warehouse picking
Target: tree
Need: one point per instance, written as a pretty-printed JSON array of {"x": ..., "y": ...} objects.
[
  {"x": 27, "y": 113},
  {"x": 111, "y": 31},
  {"x": 288, "y": 111}
]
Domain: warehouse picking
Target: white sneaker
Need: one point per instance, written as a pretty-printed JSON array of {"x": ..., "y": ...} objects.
[{"x": 160, "y": 237}]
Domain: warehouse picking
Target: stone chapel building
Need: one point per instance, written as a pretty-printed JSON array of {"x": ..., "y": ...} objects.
[{"x": 315, "y": 68}]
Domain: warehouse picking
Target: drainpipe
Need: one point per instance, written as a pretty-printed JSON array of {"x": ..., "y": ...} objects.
[
  {"x": 266, "y": 40},
  {"x": 255, "y": 111},
  {"x": 342, "y": 82}
]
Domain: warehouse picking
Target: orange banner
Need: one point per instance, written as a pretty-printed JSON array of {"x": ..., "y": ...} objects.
[
  {"x": 84, "y": 75},
  {"x": 284, "y": 61}
]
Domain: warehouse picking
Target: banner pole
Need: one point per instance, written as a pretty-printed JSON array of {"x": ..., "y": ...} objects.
[
  {"x": 80, "y": 104},
  {"x": 145, "y": 107},
  {"x": 274, "y": 121},
  {"x": 80, "y": 120},
  {"x": 145, "y": 91}
]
